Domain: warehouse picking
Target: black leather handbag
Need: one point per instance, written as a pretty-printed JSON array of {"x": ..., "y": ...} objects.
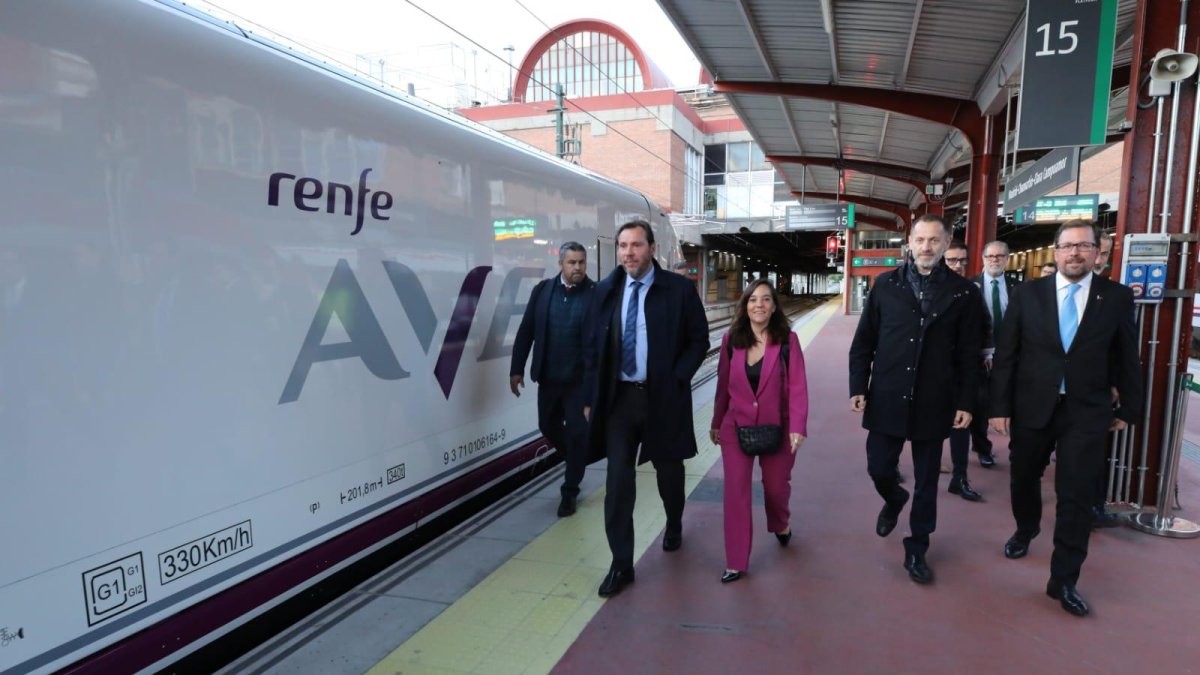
[
  {"x": 766, "y": 439},
  {"x": 762, "y": 439}
]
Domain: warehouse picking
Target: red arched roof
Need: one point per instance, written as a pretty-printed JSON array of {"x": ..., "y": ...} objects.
[{"x": 652, "y": 75}]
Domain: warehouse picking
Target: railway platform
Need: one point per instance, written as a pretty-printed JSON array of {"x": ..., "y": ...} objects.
[{"x": 513, "y": 590}]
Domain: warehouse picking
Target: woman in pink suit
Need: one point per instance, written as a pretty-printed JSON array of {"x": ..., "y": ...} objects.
[{"x": 749, "y": 393}]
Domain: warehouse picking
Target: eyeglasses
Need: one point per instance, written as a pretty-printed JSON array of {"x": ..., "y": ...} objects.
[
  {"x": 998, "y": 256},
  {"x": 956, "y": 261},
  {"x": 1082, "y": 247}
]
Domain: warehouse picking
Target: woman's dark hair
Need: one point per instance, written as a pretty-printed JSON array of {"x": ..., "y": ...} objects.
[{"x": 741, "y": 335}]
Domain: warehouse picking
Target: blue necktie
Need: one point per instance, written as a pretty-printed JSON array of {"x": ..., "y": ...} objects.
[
  {"x": 1068, "y": 318},
  {"x": 629, "y": 338}
]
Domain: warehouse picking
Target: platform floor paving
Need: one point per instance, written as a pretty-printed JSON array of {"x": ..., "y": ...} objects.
[{"x": 513, "y": 590}]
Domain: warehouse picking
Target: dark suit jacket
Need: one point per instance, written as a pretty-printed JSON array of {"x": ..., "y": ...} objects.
[
  {"x": 532, "y": 332},
  {"x": 1030, "y": 362},
  {"x": 916, "y": 374},
  {"x": 982, "y": 279},
  {"x": 677, "y": 342}
]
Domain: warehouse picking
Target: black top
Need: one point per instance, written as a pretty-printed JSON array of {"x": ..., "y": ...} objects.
[{"x": 753, "y": 372}]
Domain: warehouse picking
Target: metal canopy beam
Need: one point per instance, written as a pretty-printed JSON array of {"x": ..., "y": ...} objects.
[
  {"x": 898, "y": 172},
  {"x": 961, "y": 114}
]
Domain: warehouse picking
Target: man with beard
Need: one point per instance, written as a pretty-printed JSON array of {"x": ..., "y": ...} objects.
[
  {"x": 645, "y": 337},
  {"x": 553, "y": 328},
  {"x": 1066, "y": 343},
  {"x": 995, "y": 287},
  {"x": 900, "y": 379},
  {"x": 957, "y": 256}
]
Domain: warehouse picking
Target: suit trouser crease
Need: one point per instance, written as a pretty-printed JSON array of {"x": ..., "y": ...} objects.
[
  {"x": 561, "y": 421},
  {"x": 1081, "y": 458},
  {"x": 883, "y": 459},
  {"x": 776, "y": 470},
  {"x": 624, "y": 431}
]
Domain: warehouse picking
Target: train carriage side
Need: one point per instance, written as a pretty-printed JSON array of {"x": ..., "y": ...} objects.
[{"x": 257, "y": 321}]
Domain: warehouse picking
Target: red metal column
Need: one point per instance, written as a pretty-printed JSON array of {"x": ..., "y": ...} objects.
[
  {"x": 983, "y": 192},
  {"x": 1156, "y": 27}
]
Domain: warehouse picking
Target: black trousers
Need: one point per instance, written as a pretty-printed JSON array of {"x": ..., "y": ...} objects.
[
  {"x": 960, "y": 450},
  {"x": 883, "y": 459},
  {"x": 561, "y": 421},
  {"x": 624, "y": 430},
  {"x": 979, "y": 423},
  {"x": 1076, "y": 478}
]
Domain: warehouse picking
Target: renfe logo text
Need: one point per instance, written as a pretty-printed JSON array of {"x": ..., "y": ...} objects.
[{"x": 307, "y": 192}]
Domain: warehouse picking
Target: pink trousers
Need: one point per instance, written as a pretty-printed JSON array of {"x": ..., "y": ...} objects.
[{"x": 777, "y": 489}]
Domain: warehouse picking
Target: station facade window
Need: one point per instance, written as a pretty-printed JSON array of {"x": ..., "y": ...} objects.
[
  {"x": 739, "y": 183},
  {"x": 586, "y": 64}
]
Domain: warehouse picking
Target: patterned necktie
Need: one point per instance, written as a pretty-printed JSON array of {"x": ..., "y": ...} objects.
[
  {"x": 1068, "y": 318},
  {"x": 997, "y": 315},
  {"x": 629, "y": 338}
]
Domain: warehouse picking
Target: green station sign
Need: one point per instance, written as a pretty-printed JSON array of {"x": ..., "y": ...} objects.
[{"x": 883, "y": 261}]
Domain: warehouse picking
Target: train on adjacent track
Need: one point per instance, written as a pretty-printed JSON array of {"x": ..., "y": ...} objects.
[{"x": 256, "y": 324}]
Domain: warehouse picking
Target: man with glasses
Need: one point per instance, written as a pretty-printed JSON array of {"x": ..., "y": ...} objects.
[
  {"x": 1067, "y": 341},
  {"x": 960, "y": 439},
  {"x": 996, "y": 287}
]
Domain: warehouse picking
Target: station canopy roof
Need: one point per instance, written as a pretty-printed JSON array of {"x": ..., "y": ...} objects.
[{"x": 970, "y": 50}]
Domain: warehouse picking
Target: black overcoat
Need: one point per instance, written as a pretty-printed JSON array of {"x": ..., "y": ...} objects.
[
  {"x": 914, "y": 372},
  {"x": 677, "y": 342}
]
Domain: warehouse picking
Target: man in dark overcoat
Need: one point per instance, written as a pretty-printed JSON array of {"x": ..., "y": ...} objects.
[
  {"x": 914, "y": 370},
  {"x": 552, "y": 328},
  {"x": 644, "y": 340}
]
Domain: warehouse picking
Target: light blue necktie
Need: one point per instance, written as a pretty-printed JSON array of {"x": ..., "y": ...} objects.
[
  {"x": 629, "y": 337},
  {"x": 1068, "y": 318}
]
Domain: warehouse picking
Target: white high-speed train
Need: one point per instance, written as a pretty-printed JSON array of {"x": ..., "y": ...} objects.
[{"x": 256, "y": 322}]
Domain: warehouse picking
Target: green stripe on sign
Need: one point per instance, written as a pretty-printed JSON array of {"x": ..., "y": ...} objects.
[{"x": 1104, "y": 59}]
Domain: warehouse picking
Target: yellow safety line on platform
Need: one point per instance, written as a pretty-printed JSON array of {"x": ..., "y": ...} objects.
[{"x": 525, "y": 615}]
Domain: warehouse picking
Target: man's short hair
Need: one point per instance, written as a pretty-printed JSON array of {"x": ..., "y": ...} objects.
[
  {"x": 997, "y": 243},
  {"x": 637, "y": 222},
  {"x": 1078, "y": 225},
  {"x": 570, "y": 246},
  {"x": 956, "y": 245},
  {"x": 933, "y": 218}
]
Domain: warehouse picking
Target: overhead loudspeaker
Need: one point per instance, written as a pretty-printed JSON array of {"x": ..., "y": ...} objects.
[{"x": 1170, "y": 66}]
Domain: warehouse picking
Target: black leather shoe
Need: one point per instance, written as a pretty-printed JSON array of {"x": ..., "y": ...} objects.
[
  {"x": 784, "y": 537},
  {"x": 1015, "y": 547},
  {"x": 1068, "y": 597},
  {"x": 918, "y": 570},
  {"x": 960, "y": 487},
  {"x": 987, "y": 460},
  {"x": 672, "y": 542},
  {"x": 888, "y": 515},
  {"x": 615, "y": 582},
  {"x": 1102, "y": 518},
  {"x": 566, "y": 507},
  {"x": 730, "y": 576}
]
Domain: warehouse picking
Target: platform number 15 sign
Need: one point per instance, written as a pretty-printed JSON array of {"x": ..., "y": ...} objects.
[{"x": 1067, "y": 73}]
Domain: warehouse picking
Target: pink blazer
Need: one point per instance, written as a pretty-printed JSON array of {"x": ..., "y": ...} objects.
[{"x": 735, "y": 403}]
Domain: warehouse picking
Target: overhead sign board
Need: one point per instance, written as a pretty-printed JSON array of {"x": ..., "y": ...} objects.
[
  {"x": 1067, "y": 73},
  {"x": 1056, "y": 169},
  {"x": 1058, "y": 209},
  {"x": 887, "y": 261},
  {"x": 820, "y": 217}
]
